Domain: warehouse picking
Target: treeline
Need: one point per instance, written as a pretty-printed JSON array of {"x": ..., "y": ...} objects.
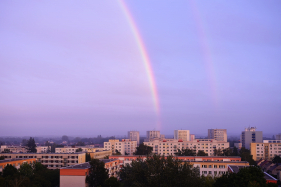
[
  {"x": 35, "y": 175},
  {"x": 170, "y": 172}
]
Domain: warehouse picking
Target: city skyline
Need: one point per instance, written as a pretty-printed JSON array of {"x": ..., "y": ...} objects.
[{"x": 109, "y": 67}]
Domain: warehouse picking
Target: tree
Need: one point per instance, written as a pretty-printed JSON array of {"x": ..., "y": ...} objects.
[
  {"x": 79, "y": 149},
  {"x": 245, "y": 155},
  {"x": 276, "y": 159},
  {"x": 112, "y": 182},
  {"x": 88, "y": 157},
  {"x": 248, "y": 176},
  {"x": 31, "y": 146},
  {"x": 2, "y": 158},
  {"x": 98, "y": 174},
  {"x": 143, "y": 150},
  {"x": 117, "y": 152},
  {"x": 186, "y": 152},
  {"x": 235, "y": 151},
  {"x": 160, "y": 171},
  {"x": 65, "y": 138},
  {"x": 80, "y": 143},
  {"x": 227, "y": 152},
  {"x": 201, "y": 153},
  {"x": 218, "y": 152},
  {"x": 24, "y": 142}
]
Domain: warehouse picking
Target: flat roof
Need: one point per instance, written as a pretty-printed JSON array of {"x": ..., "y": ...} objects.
[
  {"x": 87, "y": 165},
  {"x": 14, "y": 159}
]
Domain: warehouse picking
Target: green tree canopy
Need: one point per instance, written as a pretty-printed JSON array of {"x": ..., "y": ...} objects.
[
  {"x": 79, "y": 149},
  {"x": 276, "y": 159},
  {"x": 245, "y": 155},
  {"x": 186, "y": 152},
  {"x": 143, "y": 150},
  {"x": 201, "y": 153},
  {"x": 31, "y": 146},
  {"x": 248, "y": 176},
  {"x": 160, "y": 171},
  {"x": 98, "y": 174}
]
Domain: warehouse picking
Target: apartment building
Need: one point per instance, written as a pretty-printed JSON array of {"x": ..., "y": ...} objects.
[
  {"x": 16, "y": 162},
  {"x": 134, "y": 136},
  {"x": 183, "y": 135},
  {"x": 218, "y": 134},
  {"x": 192, "y": 137},
  {"x": 51, "y": 160},
  {"x": 266, "y": 150},
  {"x": 152, "y": 134},
  {"x": 278, "y": 137},
  {"x": 171, "y": 146},
  {"x": 76, "y": 175},
  {"x": 73, "y": 149},
  {"x": 43, "y": 149},
  {"x": 250, "y": 135},
  {"x": 208, "y": 165},
  {"x": 13, "y": 149},
  {"x": 125, "y": 146}
]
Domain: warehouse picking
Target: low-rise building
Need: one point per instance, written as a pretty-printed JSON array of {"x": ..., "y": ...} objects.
[
  {"x": 73, "y": 149},
  {"x": 171, "y": 146},
  {"x": 16, "y": 162},
  {"x": 125, "y": 146},
  {"x": 13, "y": 149},
  {"x": 43, "y": 149},
  {"x": 51, "y": 160},
  {"x": 207, "y": 165},
  {"x": 76, "y": 175},
  {"x": 266, "y": 150}
]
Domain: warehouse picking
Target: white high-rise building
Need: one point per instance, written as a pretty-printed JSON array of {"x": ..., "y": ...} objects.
[
  {"x": 152, "y": 134},
  {"x": 217, "y": 134},
  {"x": 181, "y": 135},
  {"x": 134, "y": 136}
]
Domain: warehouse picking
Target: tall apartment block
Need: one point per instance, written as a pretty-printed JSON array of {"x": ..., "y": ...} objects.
[
  {"x": 134, "y": 136},
  {"x": 152, "y": 134},
  {"x": 183, "y": 135},
  {"x": 217, "y": 134},
  {"x": 192, "y": 137},
  {"x": 250, "y": 135},
  {"x": 125, "y": 146},
  {"x": 171, "y": 146},
  {"x": 278, "y": 137},
  {"x": 267, "y": 150}
]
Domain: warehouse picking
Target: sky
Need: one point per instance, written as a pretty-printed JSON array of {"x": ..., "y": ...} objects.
[{"x": 105, "y": 67}]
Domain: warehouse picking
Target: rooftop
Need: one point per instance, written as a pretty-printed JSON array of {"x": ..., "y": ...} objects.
[{"x": 14, "y": 159}]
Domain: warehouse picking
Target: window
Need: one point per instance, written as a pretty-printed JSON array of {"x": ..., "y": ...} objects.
[{"x": 215, "y": 166}]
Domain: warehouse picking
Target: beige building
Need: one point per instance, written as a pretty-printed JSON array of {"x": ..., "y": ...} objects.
[
  {"x": 16, "y": 162},
  {"x": 218, "y": 134},
  {"x": 171, "y": 146},
  {"x": 51, "y": 160},
  {"x": 192, "y": 137},
  {"x": 100, "y": 154},
  {"x": 124, "y": 146},
  {"x": 183, "y": 135},
  {"x": 134, "y": 136},
  {"x": 73, "y": 149},
  {"x": 13, "y": 149},
  {"x": 43, "y": 149},
  {"x": 266, "y": 150}
]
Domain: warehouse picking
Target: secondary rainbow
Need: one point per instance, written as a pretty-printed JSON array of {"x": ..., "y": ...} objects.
[{"x": 144, "y": 55}]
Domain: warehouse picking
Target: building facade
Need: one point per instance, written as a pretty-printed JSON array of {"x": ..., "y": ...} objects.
[
  {"x": 183, "y": 135},
  {"x": 250, "y": 135},
  {"x": 266, "y": 150},
  {"x": 171, "y": 146},
  {"x": 16, "y": 162},
  {"x": 152, "y": 134},
  {"x": 76, "y": 175},
  {"x": 278, "y": 137},
  {"x": 51, "y": 160},
  {"x": 218, "y": 134},
  {"x": 212, "y": 166},
  {"x": 134, "y": 136},
  {"x": 125, "y": 146},
  {"x": 192, "y": 137}
]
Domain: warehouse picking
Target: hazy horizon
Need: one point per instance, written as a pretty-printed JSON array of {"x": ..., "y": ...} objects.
[{"x": 83, "y": 68}]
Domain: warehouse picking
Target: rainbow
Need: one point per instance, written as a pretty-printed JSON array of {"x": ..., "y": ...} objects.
[
  {"x": 206, "y": 53},
  {"x": 144, "y": 56}
]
